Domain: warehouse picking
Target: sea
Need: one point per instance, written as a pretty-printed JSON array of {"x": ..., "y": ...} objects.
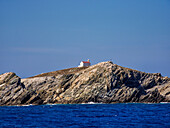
[{"x": 90, "y": 115}]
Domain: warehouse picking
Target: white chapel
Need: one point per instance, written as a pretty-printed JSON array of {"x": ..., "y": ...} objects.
[{"x": 85, "y": 63}]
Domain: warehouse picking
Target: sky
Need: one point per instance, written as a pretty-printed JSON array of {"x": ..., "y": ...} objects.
[{"x": 38, "y": 36}]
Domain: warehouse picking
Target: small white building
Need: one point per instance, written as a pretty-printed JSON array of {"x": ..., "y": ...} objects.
[{"x": 85, "y": 63}]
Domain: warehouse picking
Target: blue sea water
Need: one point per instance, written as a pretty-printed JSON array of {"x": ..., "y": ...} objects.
[{"x": 86, "y": 115}]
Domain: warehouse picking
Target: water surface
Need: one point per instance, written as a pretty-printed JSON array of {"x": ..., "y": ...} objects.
[{"x": 86, "y": 115}]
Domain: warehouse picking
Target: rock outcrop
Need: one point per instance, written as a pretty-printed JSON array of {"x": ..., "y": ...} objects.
[{"x": 101, "y": 83}]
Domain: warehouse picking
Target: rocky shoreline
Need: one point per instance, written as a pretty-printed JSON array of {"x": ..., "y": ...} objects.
[{"x": 101, "y": 83}]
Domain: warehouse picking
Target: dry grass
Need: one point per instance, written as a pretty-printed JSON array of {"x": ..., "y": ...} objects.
[{"x": 64, "y": 71}]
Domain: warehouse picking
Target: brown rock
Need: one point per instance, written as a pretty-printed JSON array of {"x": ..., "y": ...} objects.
[{"x": 102, "y": 83}]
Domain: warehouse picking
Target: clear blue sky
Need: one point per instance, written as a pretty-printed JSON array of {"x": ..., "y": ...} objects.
[{"x": 39, "y": 36}]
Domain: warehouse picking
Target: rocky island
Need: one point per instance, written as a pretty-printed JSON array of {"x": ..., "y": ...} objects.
[{"x": 104, "y": 82}]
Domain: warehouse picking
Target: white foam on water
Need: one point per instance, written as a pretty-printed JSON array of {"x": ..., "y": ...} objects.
[
  {"x": 92, "y": 103},
  {"x": 164, "y": 102},
  {"x": 23, "y": 105}
]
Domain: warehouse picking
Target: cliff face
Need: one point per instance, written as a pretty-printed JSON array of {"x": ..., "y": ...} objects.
[{"x": 102, "y": 83}]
